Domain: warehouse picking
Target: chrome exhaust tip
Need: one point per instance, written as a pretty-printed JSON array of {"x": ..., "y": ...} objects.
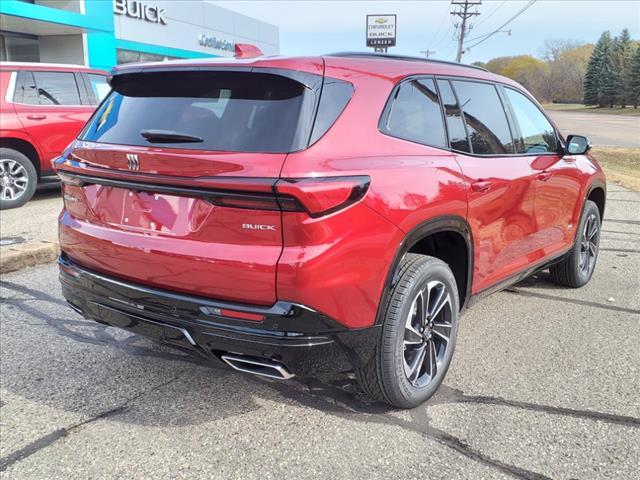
[{"x": 257, "y": 366}]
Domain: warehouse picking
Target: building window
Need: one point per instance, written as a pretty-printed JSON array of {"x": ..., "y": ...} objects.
[
  {"x": 69, "y": 5},
  {"x": 16, "y": 47},
  {"x": 131, "y": 56}
]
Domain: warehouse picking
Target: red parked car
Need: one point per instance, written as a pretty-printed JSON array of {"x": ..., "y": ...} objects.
[
  {"x": 43, "y": 107},
  {"x": 300, "y": 215}
]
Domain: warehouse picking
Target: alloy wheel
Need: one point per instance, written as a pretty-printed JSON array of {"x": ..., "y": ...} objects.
[
  {"x": 427, "y": 334},
  {"x": 14, "y": 179},
  {"x": 589, "y": 244}
]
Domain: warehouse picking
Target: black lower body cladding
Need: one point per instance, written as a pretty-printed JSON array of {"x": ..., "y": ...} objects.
[{"x": 304, "y": 341}]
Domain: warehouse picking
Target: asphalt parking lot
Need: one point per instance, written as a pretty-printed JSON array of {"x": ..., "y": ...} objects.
[
  {"x": 601, "y": 128},
  {"x": 544, "y": 384}
]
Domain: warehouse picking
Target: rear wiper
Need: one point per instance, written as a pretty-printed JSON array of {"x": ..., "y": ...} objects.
[{"x": 169, "y": 136}]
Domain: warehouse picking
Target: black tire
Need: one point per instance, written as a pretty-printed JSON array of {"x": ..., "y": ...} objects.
[
  {"x": 26, "y": 173},
  {"x": 576, "y": 269},
  {"x": 386, "y": 377}
]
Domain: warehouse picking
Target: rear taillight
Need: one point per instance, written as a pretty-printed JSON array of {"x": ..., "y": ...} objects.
[
  {"x": 316, "y": 196},
  {"x": 325, "y": 195},
  {"x": 242, "y": 200}
]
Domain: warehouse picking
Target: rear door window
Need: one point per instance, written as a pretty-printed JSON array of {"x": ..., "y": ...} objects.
[
  {"x": 537, "y": 135},
  {"x": 485, "y": 118},
  {"x": 26, "y": 90},
  {"x": 57, "y": 88},
  {"x": 455, "y": 126},
  {"x": 228, "y": 111},
  {"x": 415, "y": 115}
]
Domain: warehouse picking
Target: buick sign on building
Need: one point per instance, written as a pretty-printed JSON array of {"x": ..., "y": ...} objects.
[{"x": 103, "y": 33}]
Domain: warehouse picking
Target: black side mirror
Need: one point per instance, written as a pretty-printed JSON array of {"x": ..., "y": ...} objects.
[{"x": 578, "y": 145}]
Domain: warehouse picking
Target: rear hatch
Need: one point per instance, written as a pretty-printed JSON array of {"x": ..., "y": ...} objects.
[{"x": 171, "y": 184}]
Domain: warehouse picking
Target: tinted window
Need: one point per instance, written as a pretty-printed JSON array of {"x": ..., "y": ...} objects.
[
  {"x": 415, "y": 114},
  {"x": 537, "y": 133},
  {"x": 129, "y": 56},
  {"x": 26, "y": 91},
  {"x": 485, "y": 118},
  {"x": 57, "y": 88},
  {"x": 335, "y": 96},
  {"x": 240, "y": 112},
  {"x": 99, "y": 87},
  {"x": 457, "y": 133}
]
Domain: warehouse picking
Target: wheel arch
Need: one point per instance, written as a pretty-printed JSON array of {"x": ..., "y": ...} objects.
[
  {"x": 421, "y": 239},
  {"x": 597, "y": 193},
  {"x": 26, "y": 148}
]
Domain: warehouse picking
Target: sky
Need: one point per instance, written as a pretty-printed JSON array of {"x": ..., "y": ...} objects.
[{"x": 317, "y": 27}]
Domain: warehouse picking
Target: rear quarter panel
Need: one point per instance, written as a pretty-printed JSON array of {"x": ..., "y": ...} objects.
[{"x": 339, "y": 264}]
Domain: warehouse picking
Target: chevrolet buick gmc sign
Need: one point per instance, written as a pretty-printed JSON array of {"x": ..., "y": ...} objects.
[
  {"x": 381, "y": 30},
  {"x": 140, "y": 10}
]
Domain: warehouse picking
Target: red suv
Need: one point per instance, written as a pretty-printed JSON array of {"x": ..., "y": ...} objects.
[
  {"x": 43, "y": 107},
  {"x": 319, "y": 214}
]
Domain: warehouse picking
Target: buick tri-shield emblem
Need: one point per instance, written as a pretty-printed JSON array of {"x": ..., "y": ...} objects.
[{"x": 133, "y": 162}]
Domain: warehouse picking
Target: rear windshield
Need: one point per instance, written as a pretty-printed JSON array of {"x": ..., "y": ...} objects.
[{"x": 224, "y": 111}]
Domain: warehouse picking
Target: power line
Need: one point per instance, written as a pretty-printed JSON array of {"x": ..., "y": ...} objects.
[
  {"x": 489, "y": 35},
  {"x": 444, "y": 35},
  {"x": 465, "y": 15},
  {"x": 490, "y": 14},
  {"x": 531, "y": 2},
  {"x": 446, "y": 14}
]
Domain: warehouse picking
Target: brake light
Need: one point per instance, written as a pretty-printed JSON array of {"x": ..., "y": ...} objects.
[
  {"x": 325, "y": 195},
  {"x": 316, "y": 196},
  {"x": 241, "y": 200}
]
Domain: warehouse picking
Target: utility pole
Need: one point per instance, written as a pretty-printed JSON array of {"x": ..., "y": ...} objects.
[
  {"x": 464, "y": 14},
  {"x": 427, "y": 53}
]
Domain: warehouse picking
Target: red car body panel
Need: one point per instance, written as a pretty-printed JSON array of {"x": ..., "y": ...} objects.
[
  {"x": 185, "y": 242},
  {"x": 338, "y": 264},
  {"x": 49, "y": 129}
]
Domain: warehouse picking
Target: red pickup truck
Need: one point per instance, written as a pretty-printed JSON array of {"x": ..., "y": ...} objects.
[{"x": 43, "y": 107}]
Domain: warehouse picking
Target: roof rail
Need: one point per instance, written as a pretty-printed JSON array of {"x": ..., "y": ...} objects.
[{"x": 401, "y": 57}]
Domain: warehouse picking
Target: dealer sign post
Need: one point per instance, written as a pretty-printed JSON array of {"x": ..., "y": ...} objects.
[{"x": 381, "y": 32}]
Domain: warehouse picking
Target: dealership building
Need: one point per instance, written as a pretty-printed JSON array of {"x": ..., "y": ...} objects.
[{"x": 103, "y": 33}]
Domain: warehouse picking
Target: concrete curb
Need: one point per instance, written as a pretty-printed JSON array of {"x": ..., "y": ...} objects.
[{"x": 28, "y": 255}]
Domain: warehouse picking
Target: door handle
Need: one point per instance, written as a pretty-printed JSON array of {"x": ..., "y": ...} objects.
[
  {"x": 480, "y": 186},
  {"x": 544, "y": 176},
  {"x": 36, "y": 117}
]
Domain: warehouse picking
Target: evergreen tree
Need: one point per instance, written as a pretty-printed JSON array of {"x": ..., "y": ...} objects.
[
  {"x": 598, "y": 81},
  {"x": 591, "y": 81},
  {"x": 634, "y": 78},
  {"x": 619, "y": 65}
]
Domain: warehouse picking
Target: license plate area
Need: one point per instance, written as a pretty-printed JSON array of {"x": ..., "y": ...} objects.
[{"x": 148, "y": 211}]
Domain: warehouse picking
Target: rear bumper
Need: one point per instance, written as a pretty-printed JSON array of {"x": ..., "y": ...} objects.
[{"x": 303, "y": 340}]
